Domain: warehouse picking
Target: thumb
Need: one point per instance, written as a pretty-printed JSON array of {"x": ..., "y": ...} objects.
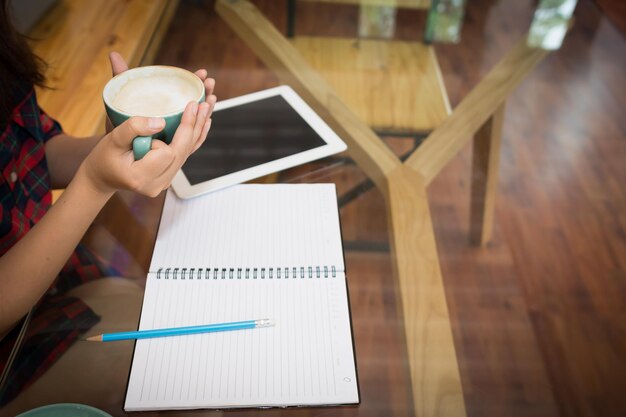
[
  {"x": 118, "y": 64},
  {"x": 123, "y": 135}
]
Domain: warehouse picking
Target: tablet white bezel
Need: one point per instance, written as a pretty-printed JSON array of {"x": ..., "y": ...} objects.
[{"x": 334, "y": 144}]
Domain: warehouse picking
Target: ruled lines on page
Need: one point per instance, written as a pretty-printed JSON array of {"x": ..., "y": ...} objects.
[
  {"x": 248, "y": 252},
  {"x": 306, "y": 359},
  {"x": 251, "y": 225}
]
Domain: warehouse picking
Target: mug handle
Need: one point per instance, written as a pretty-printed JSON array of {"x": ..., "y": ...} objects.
[{"x": 141, "y": 146}]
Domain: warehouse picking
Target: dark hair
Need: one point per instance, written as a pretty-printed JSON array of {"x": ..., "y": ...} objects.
[{"x": 19, "y": 66}]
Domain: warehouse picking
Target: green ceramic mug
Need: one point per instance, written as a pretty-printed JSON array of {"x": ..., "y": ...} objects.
[{"x": 152, "y": 91}]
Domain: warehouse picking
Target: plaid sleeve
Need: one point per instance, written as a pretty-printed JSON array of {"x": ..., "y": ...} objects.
[
  {"x": 57, "y": 323},
  {"x": 49, "y": 127}
]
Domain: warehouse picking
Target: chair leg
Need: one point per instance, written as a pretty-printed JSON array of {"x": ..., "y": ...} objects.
[{"x": 485, "y": 161}]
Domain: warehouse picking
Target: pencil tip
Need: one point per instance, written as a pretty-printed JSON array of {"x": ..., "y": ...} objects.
[
  {"x": 97, "y": 338},
  {"x": 265, "y": 323}
]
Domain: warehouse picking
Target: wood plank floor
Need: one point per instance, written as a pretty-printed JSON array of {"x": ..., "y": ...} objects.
[
  {"x": 558, "y": 256},
  {"x": 539, "y": 315},
  {"x": 615, "y": 10}
]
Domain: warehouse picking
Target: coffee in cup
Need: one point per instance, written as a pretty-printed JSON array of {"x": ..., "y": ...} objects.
[{"x": 152, "y": 91}]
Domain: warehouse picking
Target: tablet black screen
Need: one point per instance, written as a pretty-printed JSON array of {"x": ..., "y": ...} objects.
[{"x": 248, "y": 135}]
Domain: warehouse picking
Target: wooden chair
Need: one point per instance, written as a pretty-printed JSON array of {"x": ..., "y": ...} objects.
[
  {"x": 393, "y": 86},
  {"x": 75, "y": 38},
  {"x": 436, "y": 383},
  {"x": 402, "y": 4}
]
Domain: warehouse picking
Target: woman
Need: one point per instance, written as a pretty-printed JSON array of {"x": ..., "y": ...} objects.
[{"x": 40, "y": 254}]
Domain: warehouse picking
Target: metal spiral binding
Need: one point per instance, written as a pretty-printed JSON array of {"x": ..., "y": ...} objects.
[{"x": 190, "y": 274}]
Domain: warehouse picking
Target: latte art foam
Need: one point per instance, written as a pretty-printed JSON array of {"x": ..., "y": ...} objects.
[{"x": 155, "y": 95}]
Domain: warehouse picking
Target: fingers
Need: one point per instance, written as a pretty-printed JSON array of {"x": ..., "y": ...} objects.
[
  {"x": 162, "y": 180},
  {"x": 157, "y": 161},
  {"x": 203, "y": 115},
  {"x": 191, "y": 132},
  {"x": 209, "y": 83},
  {"x": 203, "y": 135},
  {"x": 192, "y": 125},
  {"x": 202, "y": 74},
  {"x": 182, "y": 143},
  {"x": 187, "y": 136},
  {"x": 211, "y": 100},
  {"x": 209, "y": 86},
  {"x": 206, "y": 125},
  {"x": 183, "y": 139},
  {"x": 153, "y": 171},
  {"x": 123, "y": 135},
  {"x": 118, "y": 64}
]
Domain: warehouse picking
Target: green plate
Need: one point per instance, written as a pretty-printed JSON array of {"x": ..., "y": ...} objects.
[{"x": 65, "y": 410}]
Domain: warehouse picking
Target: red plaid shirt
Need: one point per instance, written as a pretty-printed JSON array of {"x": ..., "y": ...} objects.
[{"x": 24, "y": 199}]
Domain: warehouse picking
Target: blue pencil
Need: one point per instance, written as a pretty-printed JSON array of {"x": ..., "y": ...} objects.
[{"x": 179, "y": 331}]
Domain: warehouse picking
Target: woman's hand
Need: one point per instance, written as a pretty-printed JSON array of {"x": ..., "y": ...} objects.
[{"x": 111, "y": 166}]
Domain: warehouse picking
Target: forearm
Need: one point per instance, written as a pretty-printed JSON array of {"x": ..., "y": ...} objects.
[
  {"x": 28, "y": 269},
  {"x": 64, "y": 155}
]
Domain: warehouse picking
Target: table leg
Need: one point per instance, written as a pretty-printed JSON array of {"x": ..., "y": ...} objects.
[
  {"x": 435, "y": 377},
  {"x": 485, "y": 161}
]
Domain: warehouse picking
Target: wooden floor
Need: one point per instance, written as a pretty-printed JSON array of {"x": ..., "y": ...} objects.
[
  {"x": 539, "y": 315},
  {"x": 615, "y": 10},
  {"x": 541, "y": 311}
]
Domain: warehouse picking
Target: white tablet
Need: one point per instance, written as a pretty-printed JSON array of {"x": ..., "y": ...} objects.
[{"x": 255, "y": 135}]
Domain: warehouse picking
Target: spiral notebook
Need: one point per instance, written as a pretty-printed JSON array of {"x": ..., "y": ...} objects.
[{"x": 248, "y": 252}]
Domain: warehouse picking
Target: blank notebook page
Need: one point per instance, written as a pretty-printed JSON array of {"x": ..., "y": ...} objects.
[{"x": 248, "y": 252}]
